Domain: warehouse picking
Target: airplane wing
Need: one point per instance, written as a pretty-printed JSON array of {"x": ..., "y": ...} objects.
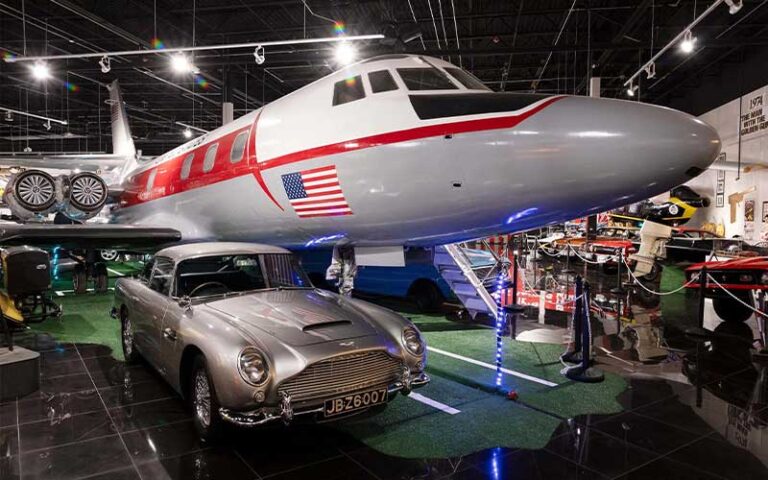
[
  {"x": 89, "y": 236},
  {"x": 84, "y": 162}
]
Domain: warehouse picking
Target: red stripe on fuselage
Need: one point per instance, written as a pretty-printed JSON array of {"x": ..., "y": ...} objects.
[
  {"x": 406, "y": 135},
  {"x": 167, "y": 181}
]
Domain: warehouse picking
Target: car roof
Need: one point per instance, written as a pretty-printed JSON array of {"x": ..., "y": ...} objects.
[{"x": 191, "y": 250}]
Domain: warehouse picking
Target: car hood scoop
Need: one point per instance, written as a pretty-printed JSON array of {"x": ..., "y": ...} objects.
[{"x": 297, "y": 317}]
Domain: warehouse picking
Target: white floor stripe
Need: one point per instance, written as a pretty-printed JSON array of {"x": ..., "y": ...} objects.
[
  {"x": 493, "y": 367},
  {"x": 116, "y": 272},
  {"x": 61, "y": 293},
  {"x": 433, "y": 403}
]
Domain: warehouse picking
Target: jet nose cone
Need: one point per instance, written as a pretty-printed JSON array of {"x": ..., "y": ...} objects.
[
  {"x": 683, "y": 143},
  {"x": 642, "y": 150}
]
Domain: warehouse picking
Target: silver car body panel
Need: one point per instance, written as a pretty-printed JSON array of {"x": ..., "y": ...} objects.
[{"x": 293, "y": 328}]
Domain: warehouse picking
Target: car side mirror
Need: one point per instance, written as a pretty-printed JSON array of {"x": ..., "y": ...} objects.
[{"x": 185, "y": 303}]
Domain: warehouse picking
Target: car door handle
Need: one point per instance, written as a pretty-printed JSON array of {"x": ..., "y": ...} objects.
[{"x": 170, "y": 334}]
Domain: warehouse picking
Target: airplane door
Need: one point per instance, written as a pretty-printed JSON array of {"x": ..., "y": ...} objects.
[{"x": 150, "y": 305}]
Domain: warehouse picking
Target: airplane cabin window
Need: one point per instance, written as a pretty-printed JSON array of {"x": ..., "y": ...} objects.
[
  {"x": 210, "y": 158},
  {"x": 381, "y": 81},
  {"x": 467, "y": 79},
  {"x": 348, "y": 90},
  {"x": 425, "y": 79},
  {"x": 186, "y": 167},
  {"x": 151, "y": 180},
  {"x": 238, "y": 147}
]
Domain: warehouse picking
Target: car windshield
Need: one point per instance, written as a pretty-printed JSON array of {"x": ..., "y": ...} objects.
[{"x": 222, "y": 274}]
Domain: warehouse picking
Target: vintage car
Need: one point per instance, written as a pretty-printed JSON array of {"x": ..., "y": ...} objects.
[
  {"x": 240, "y": 332},
  {"x": 737, "y": 279}
]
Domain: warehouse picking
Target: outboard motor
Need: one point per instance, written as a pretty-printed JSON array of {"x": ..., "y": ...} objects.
[{"x": 33, "y": 194}]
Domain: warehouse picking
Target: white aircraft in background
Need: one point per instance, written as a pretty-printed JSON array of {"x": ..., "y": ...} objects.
[{"x": 394, "y": 151}]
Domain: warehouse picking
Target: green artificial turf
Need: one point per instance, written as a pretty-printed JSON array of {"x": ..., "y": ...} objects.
[{"x": 408, "y": 428}]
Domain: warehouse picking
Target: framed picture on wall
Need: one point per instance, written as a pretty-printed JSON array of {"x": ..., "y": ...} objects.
[
  {"x": 765, "y": 212},
  {"x": 720, "y": 187},
  {"x": 720, "y": 176},
  {"x": 720, "y": 200}
]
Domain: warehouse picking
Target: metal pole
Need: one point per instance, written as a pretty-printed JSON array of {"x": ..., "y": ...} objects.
[{"x": 702, "y": 292}]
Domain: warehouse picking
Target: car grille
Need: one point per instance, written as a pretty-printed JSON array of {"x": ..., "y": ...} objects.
[{"x": 336, "y": 376}]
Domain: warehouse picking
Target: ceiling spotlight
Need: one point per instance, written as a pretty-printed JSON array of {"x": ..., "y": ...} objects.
[
  {"x": 650, "y": 70},
  {"x": 47, "y": 125},
  {"x": 258, "y": 55},
  {"x": 345, "y": 53},
  {"x": 734, "y": 5},
  {"x": 687, "y": 44},
  {"x": 104, "y": 63},
  {"x": 187, "y": 133},
  {"x": 631, "y": 90},
  {"x": 181, "y": 64},
  {"x": 8, "y": 116},
  {"x": 40, "y": 71}
]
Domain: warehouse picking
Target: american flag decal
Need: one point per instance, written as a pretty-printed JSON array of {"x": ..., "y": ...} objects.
[{"x": 316, "y": 193}]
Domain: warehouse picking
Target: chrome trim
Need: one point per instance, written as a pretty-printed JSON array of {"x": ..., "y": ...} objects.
[{"x": 286, "y": 413}]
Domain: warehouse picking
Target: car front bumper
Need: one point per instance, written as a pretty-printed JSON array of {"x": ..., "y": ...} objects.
[{"x": 286, "y": 412}]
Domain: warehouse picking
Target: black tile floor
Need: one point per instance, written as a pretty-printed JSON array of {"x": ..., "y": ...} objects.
[{"x": 95, "y": 417}]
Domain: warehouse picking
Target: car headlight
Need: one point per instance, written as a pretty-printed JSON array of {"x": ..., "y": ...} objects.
[
  {"x": 412, "y": 341},
  {"x": 253, "y": 368}
]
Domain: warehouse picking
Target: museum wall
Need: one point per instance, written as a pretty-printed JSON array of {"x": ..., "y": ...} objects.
[{"x": 753, "y": 181}]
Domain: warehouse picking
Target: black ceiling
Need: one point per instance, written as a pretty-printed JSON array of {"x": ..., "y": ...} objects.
[{"x": 503, "y": 42}]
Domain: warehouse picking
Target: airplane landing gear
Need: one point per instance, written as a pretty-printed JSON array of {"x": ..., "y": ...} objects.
[
  {"x": 343, "y": 269},
  {"x": 88, "y": 268}
]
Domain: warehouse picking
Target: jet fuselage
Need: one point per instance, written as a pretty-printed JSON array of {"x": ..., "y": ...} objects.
[{"x": 432, "y": 159}]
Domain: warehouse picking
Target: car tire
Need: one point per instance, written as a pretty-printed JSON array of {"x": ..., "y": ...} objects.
[
  {"x": 126, "y": 339},
  {"x": 109, "y": 255},
  {"x": 79, "y": 279},
  {"x": 203, "y": 402},
  {"x": 730, "y": 310},
  {"x": 100, "y": 278},
  {"x": 426, "y": 295}
]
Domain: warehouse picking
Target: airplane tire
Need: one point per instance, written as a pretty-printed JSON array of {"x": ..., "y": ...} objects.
[
  {"x": 79, "y": 279},
  {"x": 730, "y": 310},
  {"x": 100, "y": 278}
]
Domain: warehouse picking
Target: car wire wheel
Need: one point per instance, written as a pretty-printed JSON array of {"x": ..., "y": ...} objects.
[
  {"x": 87, "y": 191},
  {"x": 35, "y": 190},
  {"x": 202, "y": 398},
  {"x": 127, "y": 337}
]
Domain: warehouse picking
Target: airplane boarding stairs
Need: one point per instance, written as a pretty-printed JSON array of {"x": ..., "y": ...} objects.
[{"x": 471, "y": 276}]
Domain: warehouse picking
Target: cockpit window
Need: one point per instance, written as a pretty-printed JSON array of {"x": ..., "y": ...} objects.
[
  {"x": 381, "y": 81},
  {"x": 467, "y": 79},
  {"x": 348, "y": 90},
  {"x": 425, "y": 79}
]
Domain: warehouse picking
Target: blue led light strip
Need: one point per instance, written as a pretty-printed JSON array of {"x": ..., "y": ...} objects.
[{"x": 499, "y": 323}]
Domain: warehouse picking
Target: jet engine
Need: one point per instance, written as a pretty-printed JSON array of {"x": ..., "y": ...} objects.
[
  {"x": 33, "y": 194},
  {"x": 84, "y": 195}
]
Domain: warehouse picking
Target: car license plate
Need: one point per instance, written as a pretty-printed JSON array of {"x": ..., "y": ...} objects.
[{"x": 357, "y": 401}]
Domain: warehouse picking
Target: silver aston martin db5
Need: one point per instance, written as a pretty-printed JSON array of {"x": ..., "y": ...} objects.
[{"x": 238, "y": 330}]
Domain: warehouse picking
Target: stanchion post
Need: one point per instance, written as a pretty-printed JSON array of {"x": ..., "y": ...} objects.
[
  {"x": 575, "y": 355},
  {"x": 702, "y": 294},
  {"x": 584, "y": 372}
]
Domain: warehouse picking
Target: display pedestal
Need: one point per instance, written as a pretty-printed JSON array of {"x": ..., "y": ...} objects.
[{"x": 19, "y": 372}]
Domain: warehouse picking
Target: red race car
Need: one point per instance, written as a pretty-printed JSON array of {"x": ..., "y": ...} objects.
[{"x": 740, "y": 276}]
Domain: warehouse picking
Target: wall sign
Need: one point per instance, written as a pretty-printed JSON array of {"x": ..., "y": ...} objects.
[
  {"x": 753, "y": 120},
  {"x": 720, "y": 190}
]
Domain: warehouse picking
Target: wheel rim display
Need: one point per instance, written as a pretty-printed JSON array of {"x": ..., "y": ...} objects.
[
  {"x": 35, "y": 190},
  {"x": 87, "y": 191}
]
